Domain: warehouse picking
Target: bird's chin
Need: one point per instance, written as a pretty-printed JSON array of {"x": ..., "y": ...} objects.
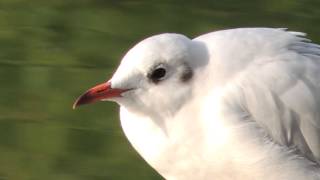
[
  {"x": 123, "y": 99},
  {"x": 114, "y": 99},
  {"x": 127, "y": 94}
]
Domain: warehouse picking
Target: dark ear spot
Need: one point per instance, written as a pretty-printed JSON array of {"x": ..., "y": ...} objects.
[{"x": 186, "y": 74}]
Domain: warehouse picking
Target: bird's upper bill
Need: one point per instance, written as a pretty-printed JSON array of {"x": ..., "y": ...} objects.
[{"x": 99, "y": 92}]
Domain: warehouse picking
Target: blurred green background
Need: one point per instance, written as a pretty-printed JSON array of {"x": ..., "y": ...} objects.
[{"x": 53, "y": 50}]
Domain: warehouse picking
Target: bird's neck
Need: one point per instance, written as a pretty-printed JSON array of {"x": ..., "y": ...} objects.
[{"x": 145, "y": 134}]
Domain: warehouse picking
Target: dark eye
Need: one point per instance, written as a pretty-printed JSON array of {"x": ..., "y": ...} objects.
[{"x": 158, "y": 74}]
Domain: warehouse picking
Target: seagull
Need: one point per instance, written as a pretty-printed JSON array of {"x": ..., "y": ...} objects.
[{"x": 231, "y": 104}]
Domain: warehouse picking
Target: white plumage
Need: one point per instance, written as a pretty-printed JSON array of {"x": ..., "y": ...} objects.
[{"x": 233, "y": 104}]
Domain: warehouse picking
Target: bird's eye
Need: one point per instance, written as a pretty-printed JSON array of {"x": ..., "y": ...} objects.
[{"x": 157, "y": 74}]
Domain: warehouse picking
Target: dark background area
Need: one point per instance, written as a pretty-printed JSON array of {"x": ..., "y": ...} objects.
[{"x": 52, "y": 51}]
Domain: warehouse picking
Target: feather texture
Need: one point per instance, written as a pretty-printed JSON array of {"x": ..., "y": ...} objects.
[{"x": 249, "y": 111}]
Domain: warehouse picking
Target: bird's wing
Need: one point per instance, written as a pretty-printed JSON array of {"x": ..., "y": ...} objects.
[{"x": 280, "y": 84}]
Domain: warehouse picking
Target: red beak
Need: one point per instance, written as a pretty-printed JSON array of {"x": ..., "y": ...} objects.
[{"x": 97, "y": 93}]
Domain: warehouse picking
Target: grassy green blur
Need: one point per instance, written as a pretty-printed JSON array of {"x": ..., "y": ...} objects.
[{"x": 51, "y": 51}]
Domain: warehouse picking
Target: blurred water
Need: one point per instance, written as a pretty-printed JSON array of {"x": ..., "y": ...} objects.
[{"x": 51, "y": 51}]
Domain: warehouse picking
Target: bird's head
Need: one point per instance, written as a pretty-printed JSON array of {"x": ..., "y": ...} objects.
[{"x": 155, "y": 76}]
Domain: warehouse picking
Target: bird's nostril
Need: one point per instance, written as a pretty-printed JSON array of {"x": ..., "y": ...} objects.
[{"x": 99, "y": 91}]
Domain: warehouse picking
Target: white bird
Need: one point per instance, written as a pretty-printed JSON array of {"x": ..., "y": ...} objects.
[{"x": 232, "y": 104}]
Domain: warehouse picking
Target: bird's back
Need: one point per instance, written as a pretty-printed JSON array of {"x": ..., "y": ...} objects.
[{"x": 275, "y": 74}]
